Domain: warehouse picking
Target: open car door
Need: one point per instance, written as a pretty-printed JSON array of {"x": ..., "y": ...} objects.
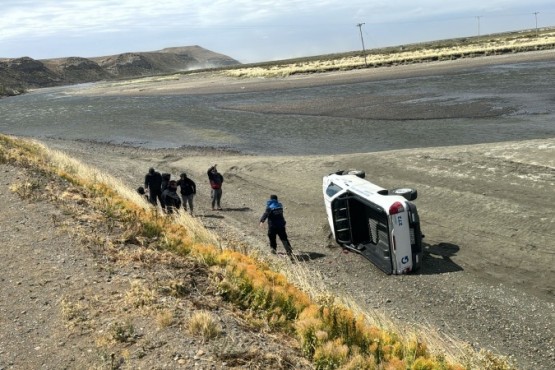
[
  {"x": 362, "y": 227},
  {"x": 342, "y": 220}
]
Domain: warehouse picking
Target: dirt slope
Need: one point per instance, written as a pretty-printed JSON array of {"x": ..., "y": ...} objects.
[
  {"x": 73, "y": 297},
  {"x": 24, "y": 73}
]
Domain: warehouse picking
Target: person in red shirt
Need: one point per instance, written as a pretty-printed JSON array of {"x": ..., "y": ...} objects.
[{"x": 216, "y": 180}]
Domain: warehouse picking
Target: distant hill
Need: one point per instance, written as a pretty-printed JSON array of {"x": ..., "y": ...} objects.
[{"x": 20, "y": 74}]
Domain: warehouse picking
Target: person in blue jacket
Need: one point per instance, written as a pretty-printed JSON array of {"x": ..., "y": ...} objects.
[{"x": 276, "y": 225}]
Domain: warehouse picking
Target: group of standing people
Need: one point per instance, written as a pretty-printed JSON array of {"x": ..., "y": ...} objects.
[{"x": 161, "y": 188}]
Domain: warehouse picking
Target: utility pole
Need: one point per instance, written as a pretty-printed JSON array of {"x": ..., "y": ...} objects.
[
  {"x": 362, "y": 40},
  {"x": 536, "y": 16},
  {"x": 478, "y": 18}
]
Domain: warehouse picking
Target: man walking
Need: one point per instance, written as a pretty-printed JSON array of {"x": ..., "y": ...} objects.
[
  {"x": 276, "y": 225},
  {"x": 188, "y": 191},
  {"x": 216, "y": 180},
  {"x": 153, "y": 183}
]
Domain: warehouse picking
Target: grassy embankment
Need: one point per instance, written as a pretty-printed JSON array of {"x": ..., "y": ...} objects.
[
  {"x": 331, "y": 333},
  {"x": 495, "y": 44}
]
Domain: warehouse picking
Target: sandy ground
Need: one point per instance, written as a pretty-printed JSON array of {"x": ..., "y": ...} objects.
[{"x": 486, "y": 210}]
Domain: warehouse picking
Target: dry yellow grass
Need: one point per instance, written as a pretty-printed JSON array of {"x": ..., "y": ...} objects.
[
  {"x": 373, "y": 59},
  {"x": 205, "y": 325},
  {"x": 72, "y": 311},
  {"x": 164, "y": 318},
  {"x": 140, "y": 296}
]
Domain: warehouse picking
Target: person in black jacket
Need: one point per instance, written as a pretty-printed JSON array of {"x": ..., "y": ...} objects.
[
  {"x": 276, "y": 225},
  {"x": 216, "y": 180},
  {"x": 170, "y": 197},
  {"x": 166, "y": 177},
  {"x": 153, "y": 183},
  {"x": 188, "y": 191}
]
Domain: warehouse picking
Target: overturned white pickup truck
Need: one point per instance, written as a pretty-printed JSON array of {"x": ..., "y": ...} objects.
[{"x": 380, "y": 224}]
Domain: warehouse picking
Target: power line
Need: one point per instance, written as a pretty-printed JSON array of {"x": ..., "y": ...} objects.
[
  {"x": 536, "y": 17},
  {"x": 362, "y": 40}
]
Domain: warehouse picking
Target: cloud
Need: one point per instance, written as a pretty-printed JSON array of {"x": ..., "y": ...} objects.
[
  {"x": 104, "y": 26},
  {"x": 25, "y": 17}
]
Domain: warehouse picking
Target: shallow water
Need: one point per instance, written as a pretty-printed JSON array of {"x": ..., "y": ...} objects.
[{"x": 489, "y": 104}]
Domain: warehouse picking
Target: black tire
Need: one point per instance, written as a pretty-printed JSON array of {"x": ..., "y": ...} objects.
[
  {"x": 407, "y": 193},
  {"x": 358, "y": 173}
]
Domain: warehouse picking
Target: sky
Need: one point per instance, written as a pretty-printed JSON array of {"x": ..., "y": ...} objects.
[{"x": 251, "y": 30}]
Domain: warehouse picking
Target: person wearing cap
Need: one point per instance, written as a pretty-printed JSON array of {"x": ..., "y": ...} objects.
[
  {"x": 188, "y": 190},
  {"x": 153, "y": 183},
  {"x": 216, "y": 180},
  {"x": 276, "y": 225}
]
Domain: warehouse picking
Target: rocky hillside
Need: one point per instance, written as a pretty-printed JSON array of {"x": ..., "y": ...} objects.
[{"x": 20, "y": 74}]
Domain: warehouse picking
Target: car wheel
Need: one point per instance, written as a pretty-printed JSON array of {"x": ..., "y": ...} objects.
[
  {"x": 358, "y": 173},
  {"x": 407, "y": 193}
]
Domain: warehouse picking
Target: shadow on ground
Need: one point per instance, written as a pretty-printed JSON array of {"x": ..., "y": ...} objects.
[
  {"x": 303, "y": 256},
  {"x": 308, "y": 256},
  {"x": 210, "y": 216},
  {"x": 240, "y": 209},
  {"x": 436, "y": 259}
]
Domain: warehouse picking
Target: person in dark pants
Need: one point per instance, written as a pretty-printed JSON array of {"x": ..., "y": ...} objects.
[
  {"x": 216, "y": 180},
  {"x": 153, "y": 183},
  {"x": 170, "y": 197},
  {"x": 166, "y": 177},
  {"x": 276, "y": 225},
  {"x": 188, "y": 191}
]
